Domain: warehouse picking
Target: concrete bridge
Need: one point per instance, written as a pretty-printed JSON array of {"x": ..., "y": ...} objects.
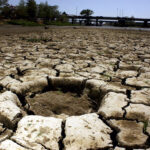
[{"x": 98, "y": 20}]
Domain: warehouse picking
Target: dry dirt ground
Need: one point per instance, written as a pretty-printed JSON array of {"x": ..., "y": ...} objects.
[{"x": 74, "y": 88}]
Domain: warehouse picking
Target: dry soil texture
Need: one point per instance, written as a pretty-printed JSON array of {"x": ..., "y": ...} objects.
[{"x": 74, "y": 89}]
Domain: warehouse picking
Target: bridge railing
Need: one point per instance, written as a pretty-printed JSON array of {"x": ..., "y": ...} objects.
[{"x": 98, "y": 19}]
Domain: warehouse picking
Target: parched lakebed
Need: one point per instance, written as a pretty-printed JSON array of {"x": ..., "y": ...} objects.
[{"x": 74, "y": 88}]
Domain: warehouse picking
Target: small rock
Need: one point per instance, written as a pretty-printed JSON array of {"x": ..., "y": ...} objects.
[
  {"x": 46, "y": 27},
  {"x": 112, "y": 46}
]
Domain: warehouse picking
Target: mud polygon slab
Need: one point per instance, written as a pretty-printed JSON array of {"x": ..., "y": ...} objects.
[
  {"x": 138, "y": 112},
  {"x": 10, "y": 110},
  {"x": 112, "y": 104},
  {"x": 130, "y": 133},
  {"x": 86, "y": 132},
  {"x": 35, "y": 131}
]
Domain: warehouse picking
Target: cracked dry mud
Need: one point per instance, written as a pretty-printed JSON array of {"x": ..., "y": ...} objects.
[{"x": 74, "y": 89}]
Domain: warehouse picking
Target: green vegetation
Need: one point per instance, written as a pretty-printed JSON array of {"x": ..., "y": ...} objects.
[
  {"x": 31, "y": 8},
  {"x": 86, "y": 12},
  {"x": 23, "y": 23},
  {"x": 3, "y": 2},
  {"x": 31, "y": 23},
  {"x": 145, "y": 126},
  {"x": 48, "y": 13},
  {"x": 28, "y": 13}
]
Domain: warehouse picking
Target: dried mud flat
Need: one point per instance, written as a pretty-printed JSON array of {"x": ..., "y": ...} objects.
[{"x": 74, "y": 89}]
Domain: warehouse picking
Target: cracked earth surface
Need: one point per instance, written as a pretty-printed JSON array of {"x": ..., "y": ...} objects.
[{"x": 75, "y": 89}]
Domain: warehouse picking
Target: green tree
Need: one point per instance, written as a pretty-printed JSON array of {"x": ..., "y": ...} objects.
[
  {"x": 86, "y": 12},
  {"x": 63, "y": 17},
  {"x": 47, "y": 12},
  {"x": 41, "y": 12},
  {"x": 8, "y": 11},
  {"x": 54, "y": 12},
  {"x": 31, "y": 9},
  {"x": 21, "y": 10},
  {"x": 3, "y": 3},
  {"x": 44, "y": 11}
]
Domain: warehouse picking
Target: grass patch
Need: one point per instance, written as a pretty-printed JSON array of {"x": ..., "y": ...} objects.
[
  {"x": 32, "y": 23},
  {"x": 145, "y": 126},
  {"x": 23, "y": 23}
]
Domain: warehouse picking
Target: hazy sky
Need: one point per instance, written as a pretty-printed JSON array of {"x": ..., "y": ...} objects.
[{"x": 136, "y": 8}]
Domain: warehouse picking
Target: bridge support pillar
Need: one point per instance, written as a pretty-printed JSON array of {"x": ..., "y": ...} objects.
[
  {"x": 96, "y": 22},
  {"x": 80, "y": 22},
  {"x": 72, "y": 20},
  {"x": 88, "y": 22},
  {"x": 101, "y": 23},
  {"x": 145, "y": 23},
  {"x": 122, "y": 22}
]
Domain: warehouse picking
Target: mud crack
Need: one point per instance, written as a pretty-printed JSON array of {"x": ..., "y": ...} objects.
[{"x": 63, "y": 135}]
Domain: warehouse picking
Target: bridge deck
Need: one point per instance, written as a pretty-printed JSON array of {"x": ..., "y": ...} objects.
[{"x": 109, "y": 18}]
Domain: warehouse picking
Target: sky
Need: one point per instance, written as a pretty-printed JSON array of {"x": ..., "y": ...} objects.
[{"x": 136, "y": 8}]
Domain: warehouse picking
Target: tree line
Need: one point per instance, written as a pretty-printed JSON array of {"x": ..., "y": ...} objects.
[{"x": 30, "y": 10}]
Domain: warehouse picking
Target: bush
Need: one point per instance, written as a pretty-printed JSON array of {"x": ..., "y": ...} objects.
[
  {"x": 23, "y": 23},
  {"x": 31, "y": 23}
]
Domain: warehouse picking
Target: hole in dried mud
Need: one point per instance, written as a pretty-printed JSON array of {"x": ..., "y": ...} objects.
[{"x": 58, "y": 102}]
